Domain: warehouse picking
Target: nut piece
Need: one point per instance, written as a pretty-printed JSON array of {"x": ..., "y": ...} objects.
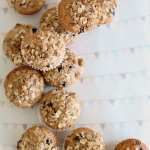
[{"x": 59, "y": 109}]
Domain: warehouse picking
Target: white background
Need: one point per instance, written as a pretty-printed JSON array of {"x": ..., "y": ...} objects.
[{"x": 115, "y": 88}]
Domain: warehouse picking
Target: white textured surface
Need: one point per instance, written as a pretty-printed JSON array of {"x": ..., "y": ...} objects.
[{"x": 115, "y": 88}]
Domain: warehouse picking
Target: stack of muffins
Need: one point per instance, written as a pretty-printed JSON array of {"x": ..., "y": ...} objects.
[{"x": 43, "y": 58}]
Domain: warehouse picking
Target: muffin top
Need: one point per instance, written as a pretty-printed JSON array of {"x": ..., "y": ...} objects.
[
  {"x": 12, "y": 43},
  {"x": 67, "y": 73},
  {"x": 24, "y": 86},
  {"x": 131, "y": 144},
  {"x": 38, "y": 138},
  {"x": 43, "y": 49},
  {"x": 84, "y": 139},
  {"x": 50, "y": 20},
  {"x": 78, "y": 16},
  {"x": 26, "y": 7},
  {"x": 59, "y": 109}
]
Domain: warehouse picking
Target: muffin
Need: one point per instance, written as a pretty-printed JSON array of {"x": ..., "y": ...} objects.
[
  {"x": 67, "y": 73},
  {"x": 59, "y": 109},
  {"x": 107, "y": 11},
  {"x": 131, "y": 144},
  {"x": 38, "y": 138},
  {"x": 78, "y": 16},
  {"x": 26, "y": 7},
  {"x": 24, "y": 86},
  {"x": 84, "y": 139},
  {"x": 12, "y": 43},
  {"x": 43, "y": 49},
  {"x": 50, "y": 20}
]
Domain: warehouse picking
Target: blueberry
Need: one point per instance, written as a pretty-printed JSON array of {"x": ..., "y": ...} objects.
[
  {"x": 90, "y": 11},
  {"x": 59, "y": 68},
  {"x": 81, "y": 31},
  {"x": 34, "y": 30},
  {"x": 77, "y": 138},
  {"x": 113, "y": 13},
  {"x": 48, "y": 141},
  {"x": 72, "y": 66},
  {"x": 72, "y": 35},
  {"x": 64, "y": 84},
  {"x": 44, "y": 104},
  {"x": 50, "y": 104}
]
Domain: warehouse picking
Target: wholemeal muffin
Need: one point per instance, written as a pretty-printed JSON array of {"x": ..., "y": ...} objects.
[
  {"x": 107, "y": 11},
  {"x": 78, "y": 16},
  {"x": 50, "y": 20},
  {"x": 43, "y": 49},
  {"x": 84, "y": 139},
  {"x": 131, "y": 144},
  {"x": 12, "y": 43},
  {"x": 26, "y": 7},
  {"x": 24, "y": 86},
  {"x": 38, "y": 138},
  {"x": 67, "y": 73},
  {"x": 59, "y": 109}
]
